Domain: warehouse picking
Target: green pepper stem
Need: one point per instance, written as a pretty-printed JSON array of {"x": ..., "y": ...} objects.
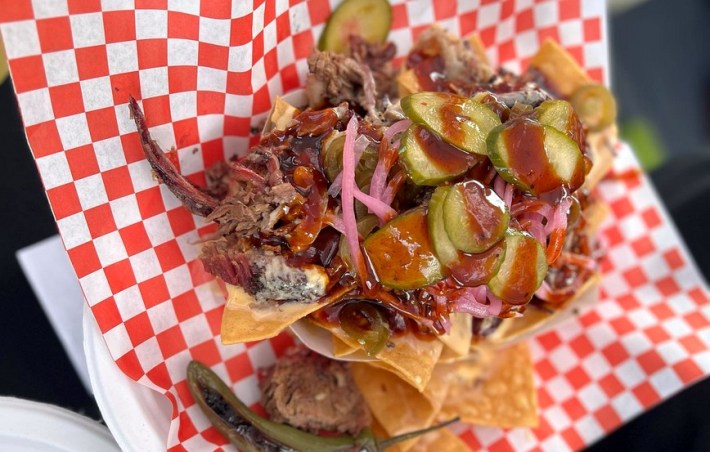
[
  {"x": 201, "y": 378},
  {"x": 384, "y": 444}
]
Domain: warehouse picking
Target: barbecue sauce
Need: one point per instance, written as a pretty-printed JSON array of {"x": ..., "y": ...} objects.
[
  {"x": 525, "y": 144},
  {"x": 444, "y": 156}
]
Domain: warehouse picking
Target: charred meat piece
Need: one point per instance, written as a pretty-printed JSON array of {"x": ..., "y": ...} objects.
[
  {"x": 263, "y": 274},
  {"x": 197, "y": 201},
  {"x": 314, "y": 393},
  {"x": 238, "y": 197},
  {"x": 378, "y": 57},
  {"x": 249, "y": 208}
]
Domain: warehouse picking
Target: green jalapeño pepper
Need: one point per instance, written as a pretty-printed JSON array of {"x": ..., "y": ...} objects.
[{"x": 251, "y": 432}]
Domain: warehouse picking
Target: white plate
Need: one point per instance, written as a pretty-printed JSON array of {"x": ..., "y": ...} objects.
[
  {"x": 138, "y": 417},
  {"x": 33, "y": 427}
]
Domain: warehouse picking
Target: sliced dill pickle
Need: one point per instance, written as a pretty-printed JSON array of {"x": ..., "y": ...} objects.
[
  {"x": 595, "y": 106},
  {"x": 475, "y": 217},
  {"x": 401, "y": 255},
  {"x": 534, "y": 157},
  {"x": 522, "y": 271},
  {"x": 428, "y": 160},
  {"x": 460, "y": 121},
  {"x": 467, "y": 269},
  {"x": 445, "y": 251},
  {"x": 368, "y": 19},
  {"x": 472, "y": 270},
  {"x": 561, "y": 115}
]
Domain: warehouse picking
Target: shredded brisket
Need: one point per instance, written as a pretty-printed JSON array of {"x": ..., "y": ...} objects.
[{"x": 314, "y": 393}]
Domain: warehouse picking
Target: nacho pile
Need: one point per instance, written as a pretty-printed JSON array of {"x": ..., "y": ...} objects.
[{"x": 421, "y": 220}]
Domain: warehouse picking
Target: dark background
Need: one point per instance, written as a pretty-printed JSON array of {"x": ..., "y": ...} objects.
[{"x": 661, "y": 75}]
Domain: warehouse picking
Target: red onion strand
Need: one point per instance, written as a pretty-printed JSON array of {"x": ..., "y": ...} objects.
[
  {"x": 348, "y": 199},
  {"x": 384, "y": 163}
]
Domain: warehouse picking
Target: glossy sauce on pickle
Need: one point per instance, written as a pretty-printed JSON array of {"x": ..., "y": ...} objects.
[
  {"x": 443, "y": 155},
  {"x": 525, "y": 143}
]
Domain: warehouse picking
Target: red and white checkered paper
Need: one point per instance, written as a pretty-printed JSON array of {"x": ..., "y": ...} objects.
[{"x": 202, "y": 71}]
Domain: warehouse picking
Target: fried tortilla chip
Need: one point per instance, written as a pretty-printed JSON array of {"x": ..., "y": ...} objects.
[
  {"x": 536, "y": 319},
  {"x": 440, "y": 440},
  {"x": 396, "y": 405},
  {"x": 280, "y": 116},
  {"x": 594, "y": 214},
  {"x": 459, "y": 337},
  {"x": 601, "y": 145},
  {"x": 406, "y": 355},
  {"x": 558, "y": 67},
  {"x": 505, "y": 397},
  {"x": 244, "y": 321},
  {"x": 407, "y": 83},
  {"x": 467, "y": 369},
  {"x": 436, "y": 441},
  {"x": 341, "y": 349},
  {"x": 479, "y": 48}
]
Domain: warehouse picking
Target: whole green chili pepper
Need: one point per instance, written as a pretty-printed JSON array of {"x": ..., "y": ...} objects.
[{"x": 251, "y": 432}]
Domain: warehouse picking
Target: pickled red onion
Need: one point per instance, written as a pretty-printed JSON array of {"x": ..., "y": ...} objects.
[
  {"x": 508, "y": 195},
  {"x": 383, "y": 211},
  {"x": 499, "y": 187},
  {"x": 379, "y": 176},
  {"x": 335, "y": 222},
  {"x": 360, "y": 145},
  {"x": 496, "y": 304},
  {"x": 543, "y": 292},
  {"x": 559, "y": 216},
  {"x": 393, "y": 187},
  {"x": 348, "y": 198},
  {"x": 472, "y": 300}
]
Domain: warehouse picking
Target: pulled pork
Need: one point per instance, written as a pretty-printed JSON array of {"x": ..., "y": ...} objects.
[
  {"x": 314, "y": 393},
  {"x": 365, "y": 77},
  {"x": 335, "y": 78},
  {"x": 460, "y": 61}
]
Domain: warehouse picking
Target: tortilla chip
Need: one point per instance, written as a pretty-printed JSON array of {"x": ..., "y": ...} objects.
[
  {"x": 280, "y": 116},
  {"x": 505, "y": 398},
  {"x": 407, "y": 83},
  {"x": 536, "y": 320},
  {"x": 558, "y": 67},
  {"x": 479, "y": 48},
  {"x": 397, "y": 406},
  {"x": 459, "y": 337},
  {"x": 594, "y": 214},
  {"x": 341, "y": 349},
  {"x": 242, "y": 321},
  {"x": 601, "y": 145},
  {"x": 406, "y": 355},
  {"x": 469, "y": 368},
  {"x": 440, "y": 440}
]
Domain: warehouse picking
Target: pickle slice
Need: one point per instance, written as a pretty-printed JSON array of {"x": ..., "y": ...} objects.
[
  {"x": 522, "y": 271},
  {"x": 475, "y": 217},
  {"x": 401, "y": 255},
  {"x": 561, "y": 115},
  {"x": 467, "y": 269},
  {"x": 460, "y": 121},
  {"x": 368, "y": 19},
  {"x": 428, "y": 160},
  {"x": 472, "y": 270},
  {"x": 445, "y": 251},
  {"x": 534, "y": 157}
]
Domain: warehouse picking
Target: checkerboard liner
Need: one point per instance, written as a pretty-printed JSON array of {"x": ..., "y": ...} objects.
[{"x": 204, "y": 73}]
